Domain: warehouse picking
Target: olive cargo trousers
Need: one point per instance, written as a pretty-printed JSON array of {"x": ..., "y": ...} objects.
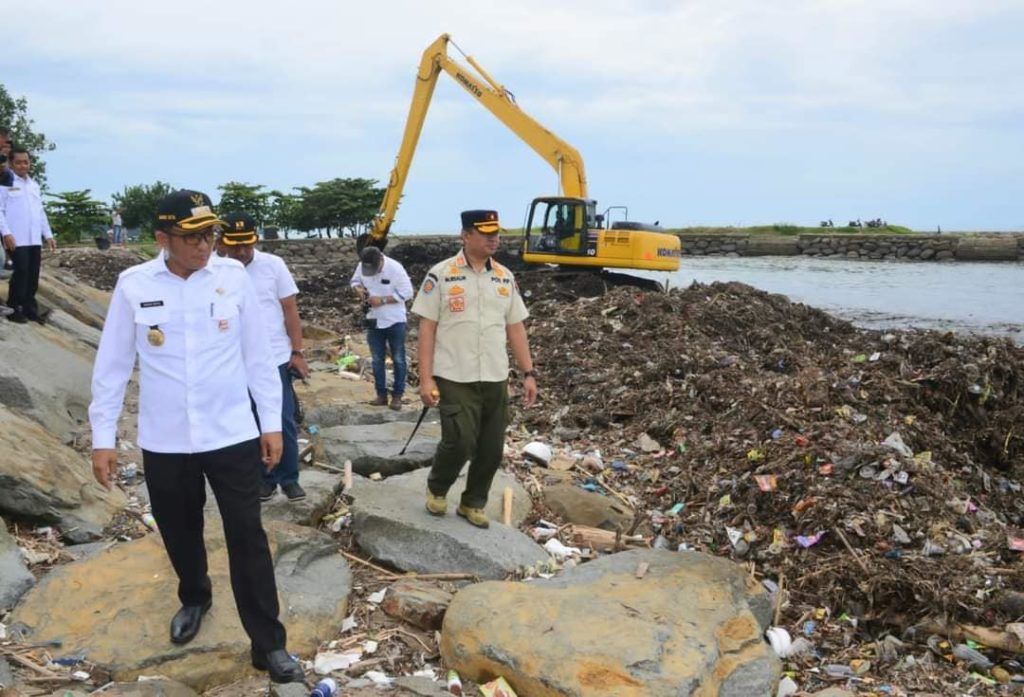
[{"x": 474, "y": 416}]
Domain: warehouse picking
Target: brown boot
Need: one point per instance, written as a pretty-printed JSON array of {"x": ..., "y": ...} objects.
[
  {"x": 380, "y": 401},
  {"x": 436, "y": 505},
  {"x": 396, "y": 402},
  {"x": 476, "y": 516}
]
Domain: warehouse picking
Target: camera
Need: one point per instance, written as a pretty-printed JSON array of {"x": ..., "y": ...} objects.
[{"x": 364, "y": 310}]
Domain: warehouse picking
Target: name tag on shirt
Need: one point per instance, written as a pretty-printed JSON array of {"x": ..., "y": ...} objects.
[{"x": 152, "y": 303}]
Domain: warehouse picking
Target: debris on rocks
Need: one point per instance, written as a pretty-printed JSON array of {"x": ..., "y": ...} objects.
[
  {"x": 97, "y": 268},
  {"x": 869, "y": 481}
]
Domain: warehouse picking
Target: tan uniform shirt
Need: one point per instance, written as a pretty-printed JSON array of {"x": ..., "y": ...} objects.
[{"x": 471, "y": 310}]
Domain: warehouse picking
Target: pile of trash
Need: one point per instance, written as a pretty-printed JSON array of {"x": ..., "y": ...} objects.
[
  {"x": 797, "y": 440},
  {"x": 97, "y": 268},
  {"x": 869, "y": 479}
]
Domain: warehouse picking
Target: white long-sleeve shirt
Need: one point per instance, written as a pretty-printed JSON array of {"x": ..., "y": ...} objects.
[
  {"x": 22, "y": 213},
  {"x": 391, "y": 282},
  {"x": 194, "y": 385}
]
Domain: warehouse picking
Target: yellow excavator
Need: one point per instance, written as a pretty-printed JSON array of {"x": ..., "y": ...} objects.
[{"x": 564, "y": 229}]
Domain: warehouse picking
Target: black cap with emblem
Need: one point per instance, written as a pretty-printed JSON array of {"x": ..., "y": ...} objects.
[
  {"x": 239, "y": 228},
  {"x": 481, "y": 221},
  {"x": 186, "y": 209}
]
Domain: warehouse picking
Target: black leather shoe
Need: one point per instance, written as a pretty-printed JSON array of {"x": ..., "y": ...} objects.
[
  {"x": 17, "y": 318},
  {"x": 281, "y": 666},
  {"x": 187, "y": 621},
  {"x": 34, "y": 316}
]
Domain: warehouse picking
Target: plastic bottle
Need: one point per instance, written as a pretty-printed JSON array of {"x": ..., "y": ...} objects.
[
  {"x": 454, "y": 683},
  {"x": 325, "y": 688}
]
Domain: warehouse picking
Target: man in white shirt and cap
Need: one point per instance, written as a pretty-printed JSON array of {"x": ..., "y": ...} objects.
[
  {"x": 276, "y": 292},
  {"x": 194, "y": 321},
  {"x": 384, "y": 286},
  {"x": 24, "y": 227}
]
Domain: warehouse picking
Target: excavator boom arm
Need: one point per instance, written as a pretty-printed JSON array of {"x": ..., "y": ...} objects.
[{"x": 562, "y": 157}]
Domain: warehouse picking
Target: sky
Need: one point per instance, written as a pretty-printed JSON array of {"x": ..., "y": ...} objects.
[{"x": 700, "y": 112}]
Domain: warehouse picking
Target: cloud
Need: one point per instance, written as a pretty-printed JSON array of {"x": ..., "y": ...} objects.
[{"x": 330, "y": 82}]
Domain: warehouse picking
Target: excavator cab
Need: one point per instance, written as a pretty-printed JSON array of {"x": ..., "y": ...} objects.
[
  {"x": 567, "y": 231},
  {"x": 560, "y": 225}
]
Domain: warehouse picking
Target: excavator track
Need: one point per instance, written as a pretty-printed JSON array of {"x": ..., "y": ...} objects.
[{"x": 571, "y": 282}]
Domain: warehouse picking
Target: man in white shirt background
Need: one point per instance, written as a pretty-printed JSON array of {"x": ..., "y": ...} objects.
[
  {"x": 194, "y": 322},
  {"x": 276, "y": 292},
  {"x": 116, "y": 228},
  {"x": 24, "y": 227},
  {"x": 383, "y": 284},
  {"x": 6, "y": 175}
]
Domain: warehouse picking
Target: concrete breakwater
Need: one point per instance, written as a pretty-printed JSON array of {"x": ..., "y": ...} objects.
[
  {"x": 999, "y": 247},
  {"x": 995, "y": 247},
  {"x": 427, "y": 248}
]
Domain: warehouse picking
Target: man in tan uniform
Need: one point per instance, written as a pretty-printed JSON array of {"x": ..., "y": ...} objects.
[{"x": 471, "y": 313}]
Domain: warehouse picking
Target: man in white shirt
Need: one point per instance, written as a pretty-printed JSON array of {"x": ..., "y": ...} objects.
[
  {"x": 275, "y": 290},
  {"x": 384, "y": 286},
  {"x": 115, "y": 227},
  {"x": 194, "y": 323},
  {"x": 24, "y": 227}
]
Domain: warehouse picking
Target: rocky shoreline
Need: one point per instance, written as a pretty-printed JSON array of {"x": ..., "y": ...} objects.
[{"x": 859, "y": 489}]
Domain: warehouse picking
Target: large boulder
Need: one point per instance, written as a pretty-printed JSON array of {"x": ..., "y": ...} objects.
[
  {"x": 375, "y": 448},
  {"x": 363, "y": 414},
  {"x": 61, "y": 290},
  {"x": 321, "y": 489},
  {"x": 115, "y": 607},
  {"x": 391, "y": 524},
  {"x": 328, "y": 391},
  {"x": 43, "y": 480},
  {"x": 692, "y": 625},
  {"x": 45, "y": 375},
  {"x": 405, "y": 491},
  {"x": 15, "y": 577}
]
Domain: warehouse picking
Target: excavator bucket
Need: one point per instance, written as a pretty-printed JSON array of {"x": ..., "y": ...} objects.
[{"x": 367, "y": 239}]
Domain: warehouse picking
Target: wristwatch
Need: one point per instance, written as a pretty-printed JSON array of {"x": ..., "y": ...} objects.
[
  {"x": 297, "y": 353},
  {"x": 531, "y": 373}
]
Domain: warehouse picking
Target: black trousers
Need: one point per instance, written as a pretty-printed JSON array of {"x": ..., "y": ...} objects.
[
  {"x": 24, "y": 281},
  {"x": 177, "y": 493}
]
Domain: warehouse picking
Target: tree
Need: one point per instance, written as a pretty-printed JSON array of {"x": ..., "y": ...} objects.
[
  {"x": 73, "y": 214},
  {"x": 282, "y": 211},
  {"x": 138, "y": 204},
  {"x": 237, "y": 197},
  {"x": 14, "y": 116},
  {"x": 339, "y": 205}
]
